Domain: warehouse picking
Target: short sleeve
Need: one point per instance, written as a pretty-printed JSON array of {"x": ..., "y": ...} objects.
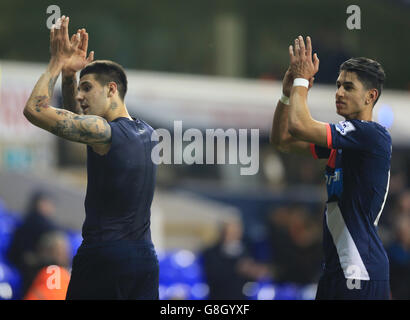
[
  {"x": 319, "y": 152},
  {"x": 351, "y": 135}
]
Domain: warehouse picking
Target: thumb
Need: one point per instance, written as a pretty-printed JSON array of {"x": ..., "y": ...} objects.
[
  {"x": 311, "y": 80},
  {"x": 316, "y": 62}
]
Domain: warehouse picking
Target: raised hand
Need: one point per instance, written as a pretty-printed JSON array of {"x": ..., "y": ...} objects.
[
  {"x": 71, "y": 54},
  {"x": 61, "y": 48},
  {"x": 79, "y": 59},
  {"x": 301, "y": 63}
]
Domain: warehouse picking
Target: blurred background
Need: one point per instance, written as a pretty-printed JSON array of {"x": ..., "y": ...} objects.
[{"x": 210, "y": 64}]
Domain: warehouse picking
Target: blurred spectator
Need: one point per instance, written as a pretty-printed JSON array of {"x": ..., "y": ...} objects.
[
  {"x": 228, "y": 266},
  {"x": 296, "y": 245},
  {"x": 49, "y": 273},
  {"x": 397, "y": 204},
  {"x": 37, "y": 222},
  {"x": 399, "y": 250}
]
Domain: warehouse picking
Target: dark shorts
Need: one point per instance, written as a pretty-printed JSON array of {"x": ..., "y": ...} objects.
[
  {"x": 120, "y": 270},
  {"x": 337, "y": 287}
]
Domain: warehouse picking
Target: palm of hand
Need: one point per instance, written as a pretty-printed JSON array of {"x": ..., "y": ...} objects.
[
  {"x": 302, "y": 65},
  {"x": 77, "y": 60},
  {"x": 72, "y": 54}
]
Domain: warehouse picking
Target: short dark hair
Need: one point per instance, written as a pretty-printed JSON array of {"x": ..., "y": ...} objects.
[
  {"x": 369, "y": 72},
  {"x": 106, "y": 71}
]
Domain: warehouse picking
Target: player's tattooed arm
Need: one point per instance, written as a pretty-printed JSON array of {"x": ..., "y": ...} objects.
[{"x": 92, "y": 130}]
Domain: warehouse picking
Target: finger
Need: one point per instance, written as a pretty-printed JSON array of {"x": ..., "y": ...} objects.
[
  {"x": 297, "y": 48},
  {"x": 57, "y": 28},
  {"x": 316, "y": 62},
  {"x": 64, "y": 26},
  {"x": 58, "y": 23},
  {"x": 291, "y": 53},
  {"x": 302, "y": 46},
  {"x": 72, "y": 38},
  {"x": 308, "y": 46},
  {"x": 84, "y": 41},
  {"x": 311, "y": 80},
  {"x": 90, "y": 57},
  {"x": 76, "y": 42},
  {"x": 52, "y": 33}
]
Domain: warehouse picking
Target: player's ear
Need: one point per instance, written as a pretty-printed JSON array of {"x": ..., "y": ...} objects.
[
  {"x": 112, "y": 89},
  {"x": 371, "y": 96}
]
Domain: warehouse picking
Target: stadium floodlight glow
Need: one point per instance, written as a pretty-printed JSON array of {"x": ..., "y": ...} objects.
[{"x": 385, "y": 116}]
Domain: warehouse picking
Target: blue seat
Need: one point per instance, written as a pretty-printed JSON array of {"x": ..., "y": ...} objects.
[
  {"x": 8, "y": 224},
  {"x": 269, "y": 290},
  {"x": 75, "y": 239},
  {"x": 10, "y": 282},
  {"x": 181, "y": 276}
]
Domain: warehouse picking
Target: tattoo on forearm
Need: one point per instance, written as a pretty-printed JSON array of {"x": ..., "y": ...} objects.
[
  {"x": 87, "y": 129},
  {"x": 41, "y": 102}
]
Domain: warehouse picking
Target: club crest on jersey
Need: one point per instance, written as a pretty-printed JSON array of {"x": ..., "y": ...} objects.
[{"x": 344, "y": 127}]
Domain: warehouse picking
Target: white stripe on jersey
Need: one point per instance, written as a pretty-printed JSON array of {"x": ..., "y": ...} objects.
[
  {"x": 349, "y": 256},
  {"x": 376, "y": 222}
]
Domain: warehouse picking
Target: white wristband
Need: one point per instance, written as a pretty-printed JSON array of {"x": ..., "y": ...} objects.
[
  {"x": 301, "y": 82},
  {"x": 284, "y": 99}
]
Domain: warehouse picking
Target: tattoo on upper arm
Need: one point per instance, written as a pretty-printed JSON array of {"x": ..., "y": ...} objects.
[{"x": 85, "y": 129}]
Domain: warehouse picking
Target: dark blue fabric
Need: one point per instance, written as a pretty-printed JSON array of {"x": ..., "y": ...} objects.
[
  {"x": 357, "y": 176},
  {"x": 121, "y": 185},
  {"x": 115, "y": 270},
  {"x": 336, "y": 287},
  {"x": 117, "y": 259}
]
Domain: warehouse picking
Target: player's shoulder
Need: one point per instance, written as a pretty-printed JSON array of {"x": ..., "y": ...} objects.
[
  {"x": 372, "y": 127},
  {"x": 376, "y": 134},
  {"x": 363, "y": 126}
]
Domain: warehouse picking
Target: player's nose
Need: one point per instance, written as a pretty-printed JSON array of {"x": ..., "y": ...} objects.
[
  {"x": 79, "y": 97},
  {"x": 340, "y": 92}
]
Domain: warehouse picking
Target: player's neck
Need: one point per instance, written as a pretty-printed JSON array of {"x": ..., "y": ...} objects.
[
  {"x": 117, "y": 110},
  {"x": 365, "y": 115}
]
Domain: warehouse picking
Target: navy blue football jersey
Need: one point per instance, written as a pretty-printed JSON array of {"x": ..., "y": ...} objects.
[
  {"x": 121, "y": 185},
  {"x": 357, "y": 180}
]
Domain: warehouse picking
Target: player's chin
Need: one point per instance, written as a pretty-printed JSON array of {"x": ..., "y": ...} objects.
[{"x": 341, "y": 111}]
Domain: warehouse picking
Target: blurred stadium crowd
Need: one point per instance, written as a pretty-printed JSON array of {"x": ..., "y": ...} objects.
[{"x": 284, "y": 263}]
